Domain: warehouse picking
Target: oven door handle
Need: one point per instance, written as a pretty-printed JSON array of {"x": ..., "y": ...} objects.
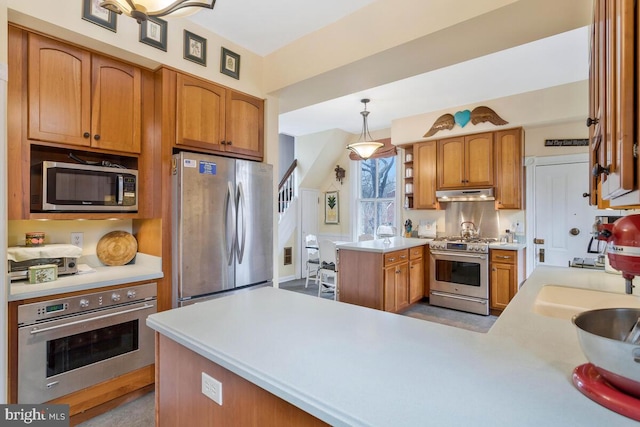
[
  {"x": 457, "y": 254},
  {"x": 92, "y": 319}
]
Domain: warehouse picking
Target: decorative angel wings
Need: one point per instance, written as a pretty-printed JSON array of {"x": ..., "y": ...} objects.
[{"x": 477, "y": 115}]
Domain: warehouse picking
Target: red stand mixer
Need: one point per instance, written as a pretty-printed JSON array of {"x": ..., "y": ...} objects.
[{"x": 623, "y": 248}]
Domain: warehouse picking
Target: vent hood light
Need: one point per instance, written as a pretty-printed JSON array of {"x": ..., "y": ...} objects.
[{"x": 466, "y": 195}]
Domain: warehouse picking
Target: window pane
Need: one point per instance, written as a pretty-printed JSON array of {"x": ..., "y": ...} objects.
[
  {"x": 368, "y": 179},
  {"x": 367, "y": 220},
  {"x": 387, "y": 177},
  {"x": 386, "y": 213}
]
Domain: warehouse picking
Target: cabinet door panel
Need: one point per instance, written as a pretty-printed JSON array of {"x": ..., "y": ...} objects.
[
  {"x": 479, "y": 160},
  {"x": 402, "y": 286},
  {"x": 502, "y": 285},
  {"x": 244, "y": 125},
  {"x": 416, "y": 280},
  {"x": 509, "y": 173},
  {"x": 59, "y": 92},
  {"x": 451, "y": 163},
  {"x": 200, "y": 112},
  {"x": 424, "y": 192},
  {"x": 116, "y": 105},
  {"x": 390, "y": 288}
]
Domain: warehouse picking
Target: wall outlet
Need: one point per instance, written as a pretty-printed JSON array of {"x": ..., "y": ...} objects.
[
  {"x": 77, "y": 239},
  {"x": 212, "y": 388}
]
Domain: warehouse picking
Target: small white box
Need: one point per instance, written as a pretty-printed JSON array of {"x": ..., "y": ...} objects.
[{"x": 43, "y": 273}]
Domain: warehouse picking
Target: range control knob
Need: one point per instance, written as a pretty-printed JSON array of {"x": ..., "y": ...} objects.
[
  {"x": 131, "y": 294},
  {"x": 84, "y": 303},
  {"x": 115, "y": 297}
]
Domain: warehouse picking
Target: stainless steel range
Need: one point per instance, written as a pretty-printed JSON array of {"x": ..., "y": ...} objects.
[{"x": 459, "y": 273}]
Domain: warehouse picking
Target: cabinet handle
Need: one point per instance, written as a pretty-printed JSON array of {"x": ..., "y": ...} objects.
[
  {"x": 86, "y": 135},
  {"x": 228, "y": 142},
  {"x": 503, "y": 256},
  {"x": 96, "y": 137},
  {"x": 223, "y": 142},
  {"x": 403, "y": 256},
  {"x": 591, "y": 121},
  {"x": 391, "y": 259}
]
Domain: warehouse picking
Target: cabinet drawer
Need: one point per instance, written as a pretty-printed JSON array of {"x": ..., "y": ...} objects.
[
  {"x": 395, "y": 257},
  {"x": 417, "y": 252},
  {"x": 504, "y": 256}
]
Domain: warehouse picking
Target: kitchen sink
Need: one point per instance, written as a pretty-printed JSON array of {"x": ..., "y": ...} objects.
[{"x": 564, "y": 302}]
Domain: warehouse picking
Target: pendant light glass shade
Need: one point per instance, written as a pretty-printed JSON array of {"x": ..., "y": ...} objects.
[
  {"x": 365, "y": 147},
  {"x": 141, "y": 9}
]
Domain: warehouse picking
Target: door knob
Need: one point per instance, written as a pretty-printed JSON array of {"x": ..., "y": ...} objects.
[{"x": 574, "y": 231}]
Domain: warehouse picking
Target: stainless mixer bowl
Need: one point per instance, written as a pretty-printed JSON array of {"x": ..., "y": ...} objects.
[{"x": 601, "y": 334}]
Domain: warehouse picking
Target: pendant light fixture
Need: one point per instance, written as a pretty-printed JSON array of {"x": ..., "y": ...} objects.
[
  {"x": 365, "y": 146},
  {"x": 140, "y": 10}
]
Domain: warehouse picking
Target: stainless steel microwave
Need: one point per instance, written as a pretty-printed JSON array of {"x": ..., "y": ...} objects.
[{"x": 68, "y": 187}]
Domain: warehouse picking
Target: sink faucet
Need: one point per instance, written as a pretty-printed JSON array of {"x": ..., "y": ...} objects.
[{"x": 628, "y": 285}]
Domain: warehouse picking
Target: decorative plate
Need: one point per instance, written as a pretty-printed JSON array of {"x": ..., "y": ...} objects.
[{"x": 117, "y": 248}]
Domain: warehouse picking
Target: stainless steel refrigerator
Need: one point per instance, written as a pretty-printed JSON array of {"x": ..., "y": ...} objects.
[{"x": 222, "y": 226}]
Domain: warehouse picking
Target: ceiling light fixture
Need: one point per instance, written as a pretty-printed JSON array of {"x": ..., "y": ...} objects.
[
  {"x": 140, "y": 10},
  {"x": 365, "y": 146}
]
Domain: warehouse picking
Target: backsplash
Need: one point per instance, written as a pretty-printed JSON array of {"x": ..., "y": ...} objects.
[{"x": 483, "y": 214}]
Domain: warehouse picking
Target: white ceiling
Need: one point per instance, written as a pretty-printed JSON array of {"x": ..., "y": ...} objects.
[{"x": 553, "y": 61}]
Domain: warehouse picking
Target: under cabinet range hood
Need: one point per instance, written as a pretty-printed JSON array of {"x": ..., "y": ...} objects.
[{"x": 465, "y": 195}]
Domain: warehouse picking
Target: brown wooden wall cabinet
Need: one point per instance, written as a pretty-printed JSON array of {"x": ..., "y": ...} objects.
[
  {"x": 465, "y": 161},
  {"x": 613, "y": 103},
  {"x": 390, "y": 281},
  {"x": 507, "y": 272},
  {"x": 490, "y": 159},
  {"x": 216, "y": 119},
  {"x": 425, "y": 159},
  {"x": 509, "y": 148},
  {"x": 79, "y": 98}
]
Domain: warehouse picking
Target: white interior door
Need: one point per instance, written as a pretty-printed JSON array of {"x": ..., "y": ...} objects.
[
  {"x": 563, "y": 217},
  {"x": 309, "y": 200}
]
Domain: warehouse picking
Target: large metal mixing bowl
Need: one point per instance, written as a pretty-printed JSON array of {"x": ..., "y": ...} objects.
[{"x": 601, "y": 334}]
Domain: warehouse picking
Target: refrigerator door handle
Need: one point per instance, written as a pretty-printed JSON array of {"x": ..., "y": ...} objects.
[
  {"x": 242, "y": 216},
  {"x": 229, "y": 244}
]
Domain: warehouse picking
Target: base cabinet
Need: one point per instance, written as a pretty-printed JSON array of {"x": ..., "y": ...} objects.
[
  {"x": 506, "y": 275},
  {"x": 389, "y": 282},
  {"x": 180, "y": 401}
]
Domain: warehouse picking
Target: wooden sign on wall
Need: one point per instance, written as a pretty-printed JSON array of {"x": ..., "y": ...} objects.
[{"x": 566, "y": 142}]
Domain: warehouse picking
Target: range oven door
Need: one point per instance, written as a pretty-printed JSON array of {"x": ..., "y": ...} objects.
[
  {"x": 61, "y": 356},
  {"x": 460, "y": 281}
]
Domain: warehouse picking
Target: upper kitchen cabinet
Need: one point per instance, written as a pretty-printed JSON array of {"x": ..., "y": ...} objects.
[
  {"x": 200, "y": 108},
  {"x": 83, "y": 99},
  {"x": 424, "y": 167},
  {"x": 613, "y": 86},
  {"x": 465, "y": 162},
  {"x": 213, "y": 118},
  {"x": 509, "y": 169}
]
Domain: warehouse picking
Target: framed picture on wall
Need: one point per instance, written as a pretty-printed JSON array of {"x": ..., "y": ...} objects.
[
  {"x": 331, "y": 211},
  {"x": 195, "y": 48},
  {"x": 96, "y": 14},
  {"x": 153, "y": 32},
  {"x": 230, "y": 63}
]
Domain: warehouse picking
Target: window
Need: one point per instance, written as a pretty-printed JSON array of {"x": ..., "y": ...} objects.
[{"x": 376, "y": 203}]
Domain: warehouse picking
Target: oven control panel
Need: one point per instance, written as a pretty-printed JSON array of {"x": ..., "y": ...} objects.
[
  {"x": 44, "y": 310},
  {"x": 459, "y": 246}
]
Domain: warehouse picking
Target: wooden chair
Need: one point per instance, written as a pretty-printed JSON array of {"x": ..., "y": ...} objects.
[
  {"x": 313, "y": 259},
  {"x": 328, "y": 274}
]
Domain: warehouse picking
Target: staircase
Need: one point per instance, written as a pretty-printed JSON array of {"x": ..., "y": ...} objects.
[{"x": 287, "y": 206}]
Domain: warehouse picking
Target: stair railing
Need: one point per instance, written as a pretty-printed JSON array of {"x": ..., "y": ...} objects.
[{"x": 286, "y": 189}]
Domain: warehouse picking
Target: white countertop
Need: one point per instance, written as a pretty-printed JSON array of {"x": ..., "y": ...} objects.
[
  {"x": 378, "y": 245},
  {"x": 350, "y": 365},
  {"x": 146, "y": 267},
  {"x": 507, "y": 246}
]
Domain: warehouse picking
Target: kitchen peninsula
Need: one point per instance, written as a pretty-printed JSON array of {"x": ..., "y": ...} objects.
[
  {"x": 349, "y": 365},
  {"x": 383, "y": 275}
]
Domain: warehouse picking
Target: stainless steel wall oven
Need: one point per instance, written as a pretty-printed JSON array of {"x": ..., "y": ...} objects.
[
  {"x": 67, "y": 344},
  {"x": 459, "y": 273}
]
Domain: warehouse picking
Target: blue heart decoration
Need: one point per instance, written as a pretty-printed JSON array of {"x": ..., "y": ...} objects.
[{"x": 462, "y": 117}]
